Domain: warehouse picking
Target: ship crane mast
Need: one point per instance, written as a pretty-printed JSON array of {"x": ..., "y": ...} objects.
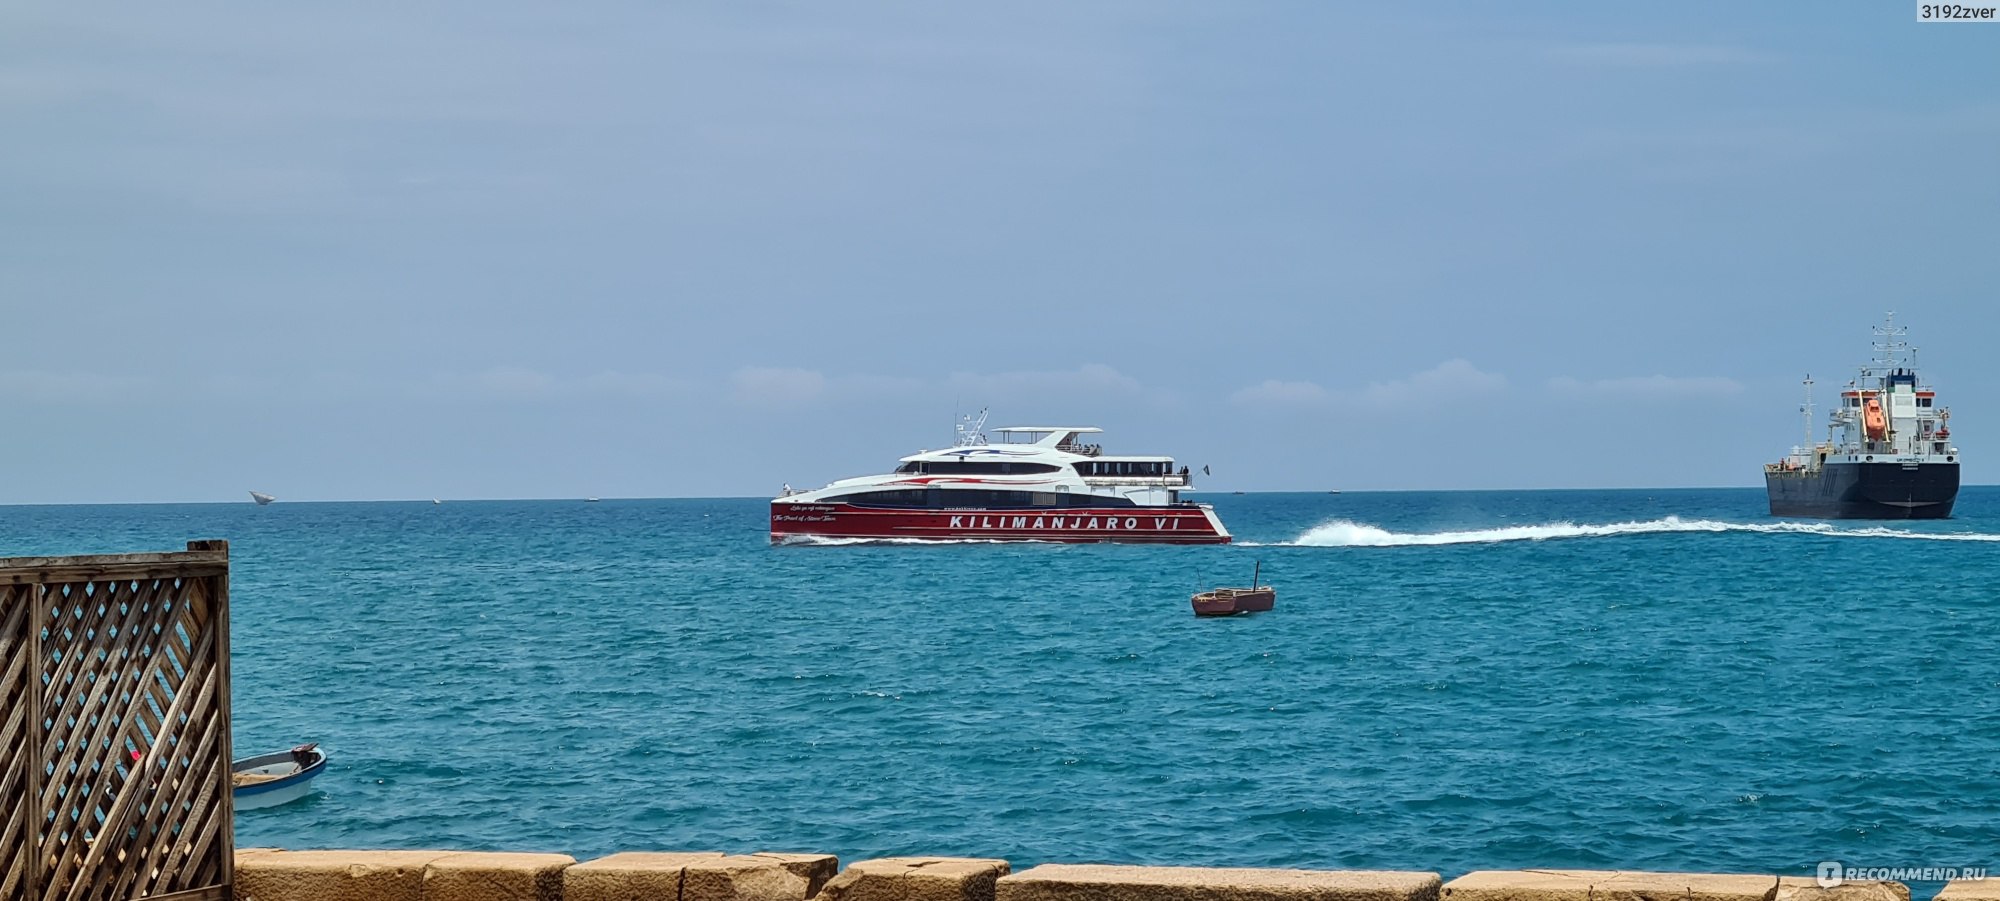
[{"x": 1807, "y": 410}]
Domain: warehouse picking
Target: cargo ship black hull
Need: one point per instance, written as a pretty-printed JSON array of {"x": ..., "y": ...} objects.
[{"x": 1865, "y": 491}]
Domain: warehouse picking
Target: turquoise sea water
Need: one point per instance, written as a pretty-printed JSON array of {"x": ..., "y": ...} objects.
[{"x": 1451, "y": 681}]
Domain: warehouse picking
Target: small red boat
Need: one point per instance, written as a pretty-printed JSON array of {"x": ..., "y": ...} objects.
[{"x": 1231, "y": 601}]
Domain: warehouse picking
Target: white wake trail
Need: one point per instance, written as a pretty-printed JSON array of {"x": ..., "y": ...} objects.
[
  {"x": 1342, "y": 533},
  {"x": 836, "y": 541}
]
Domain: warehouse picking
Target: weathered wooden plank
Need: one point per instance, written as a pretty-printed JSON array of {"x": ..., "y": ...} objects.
[
  {"x": 192, "y": 784},
  {"x": 133, "y": 629},
  {"x": 224, "y": 820},
  {"x": 17, "y": 837},
  {"x": 95, "y": 698},
  {"x": 32, "y": 594},
  {"x": 87, "y": 561},
  {"x": 154, "y": 865},
  {"x": 212, "y": 893},
  {"x": 124, "y": 685},
  {"x": 124, "y": 808},
  {"x": 76, "y": 658},
  {"x": 93, "y": 574}
]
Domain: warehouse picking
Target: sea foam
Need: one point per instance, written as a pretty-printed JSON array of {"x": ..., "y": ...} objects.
[{"x": 1343, "y": 533}]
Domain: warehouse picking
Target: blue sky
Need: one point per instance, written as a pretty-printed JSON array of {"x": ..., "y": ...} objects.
[{"x": 521, "y": 250}]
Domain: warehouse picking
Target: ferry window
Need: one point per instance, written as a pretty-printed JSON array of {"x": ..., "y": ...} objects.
[
  {"x": 1015, "y": 500},
  {"x": 987, "y": 467},
  {"x": 909, "y": 467},
  {"x": 912, "y": 497},
  {"x": 976, "y": 497},
  {"x": 1923, "y": 401}
]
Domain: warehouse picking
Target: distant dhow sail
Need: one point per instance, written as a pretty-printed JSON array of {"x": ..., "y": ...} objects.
[{"x": 261, "y": 498}]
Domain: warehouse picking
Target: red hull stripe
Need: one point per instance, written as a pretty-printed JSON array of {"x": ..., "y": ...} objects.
[{"x": 1176, "y": 525}]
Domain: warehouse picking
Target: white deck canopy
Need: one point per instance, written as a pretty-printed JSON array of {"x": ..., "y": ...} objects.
[{"x": 1067, "y": 438}]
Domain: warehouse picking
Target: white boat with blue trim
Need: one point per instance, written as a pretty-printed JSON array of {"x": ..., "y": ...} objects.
[{"x": 269, "y": 780}]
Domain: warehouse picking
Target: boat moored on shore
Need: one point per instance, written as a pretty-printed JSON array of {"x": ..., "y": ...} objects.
[{"x": 1036, "y": 483}]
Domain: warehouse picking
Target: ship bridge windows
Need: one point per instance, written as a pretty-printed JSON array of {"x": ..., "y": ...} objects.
[
  {"x": 1924, "y": 401},
  {"x": 976, "y": 467},
  {"x": 1125, "y": 468}
]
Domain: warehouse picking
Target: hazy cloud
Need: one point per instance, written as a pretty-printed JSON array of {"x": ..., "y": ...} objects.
[
  {"x": 1094, "y": 377},
  {"x": 632, "y": 384},
  {"x": 1651, "y": 386},
  {"x": 1275, "y": 393},
  {"x": 1447, "y": 381},
  {"x": 523, "y": 384}
]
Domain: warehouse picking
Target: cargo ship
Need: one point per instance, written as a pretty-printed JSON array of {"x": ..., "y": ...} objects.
[
  {"x": 1034, "y": 483},
  {"x": 1888, "y": 451}
]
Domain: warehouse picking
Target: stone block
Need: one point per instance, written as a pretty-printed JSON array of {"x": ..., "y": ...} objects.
[
  {"x": 1966, "y": 890},
  {"x": 1607, "y": 885},
  {"x": 1073, "y": 882},
  {"x": 631, "y": 876},
  {"x": 1807, "y": 888},
  {"x": 741, "y": 878},
  {"x": 271, "y": 874},
  {"x": 916, "y": 879},
  {"x": 815, "y": 868},
  {"x": 496, "y": 877}
]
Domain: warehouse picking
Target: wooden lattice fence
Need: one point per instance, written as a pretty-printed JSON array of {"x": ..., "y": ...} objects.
[{"x": 115, "y": 729}]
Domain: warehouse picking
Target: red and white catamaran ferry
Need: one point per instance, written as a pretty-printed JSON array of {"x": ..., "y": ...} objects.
[{"x": 1032, "y": 484}]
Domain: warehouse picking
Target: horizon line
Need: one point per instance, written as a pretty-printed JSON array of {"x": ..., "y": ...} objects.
[{"x": 744, "y": 497}]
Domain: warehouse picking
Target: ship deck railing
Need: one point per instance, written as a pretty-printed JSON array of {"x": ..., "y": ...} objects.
[{"x": 1175, "y": 480}]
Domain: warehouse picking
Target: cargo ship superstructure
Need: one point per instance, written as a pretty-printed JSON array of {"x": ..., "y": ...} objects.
[
  {"x": 1888, "y": 452},
  {"x": 1035, "y": 483}
]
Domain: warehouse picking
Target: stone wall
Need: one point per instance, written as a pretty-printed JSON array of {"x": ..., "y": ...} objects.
[{"x": 264, "y": 874}]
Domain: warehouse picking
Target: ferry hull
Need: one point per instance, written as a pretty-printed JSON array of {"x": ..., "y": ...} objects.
[
  {"x": 1865, "y": 491},
  {"x": 1184, "y": 524}
]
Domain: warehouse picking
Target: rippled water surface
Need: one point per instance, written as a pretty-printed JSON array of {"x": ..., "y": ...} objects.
[{"x": 1450, "y": 681}]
